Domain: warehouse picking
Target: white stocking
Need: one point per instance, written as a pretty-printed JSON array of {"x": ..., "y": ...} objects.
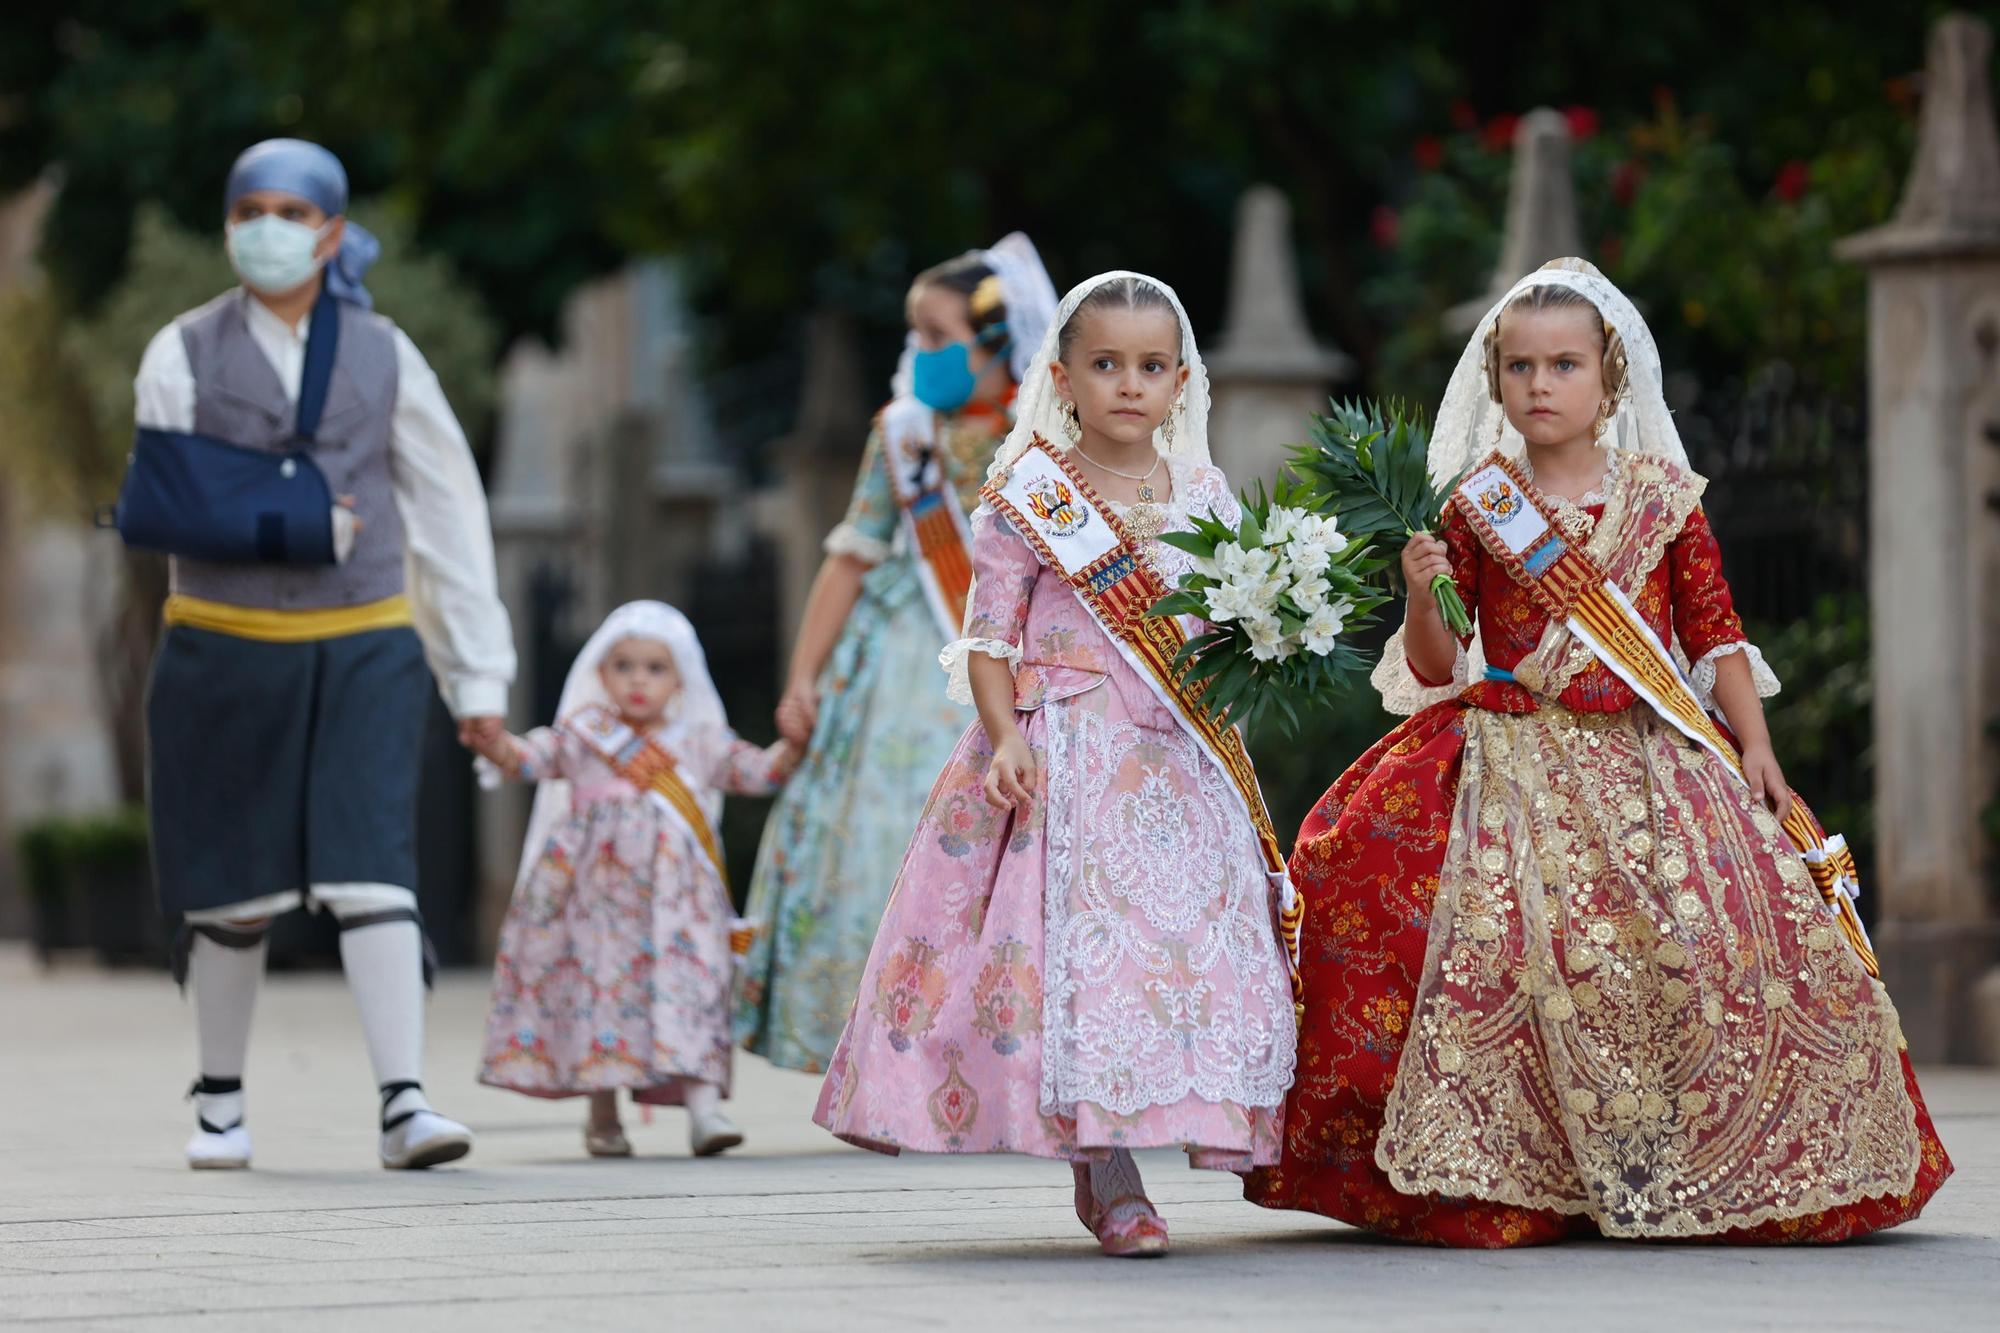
[
  {"x": 224, "y": 982},
  {"x": 700, "y": 1098},
  {"x": 384, "y": 963}
]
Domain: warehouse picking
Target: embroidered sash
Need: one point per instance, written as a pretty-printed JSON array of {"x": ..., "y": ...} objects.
[
  {"x": 939, "y": 535},
  {"x": 1078, "y": 536},
  {"x": 652, "y": 770},
  {"x": 1570, "y": 587}
]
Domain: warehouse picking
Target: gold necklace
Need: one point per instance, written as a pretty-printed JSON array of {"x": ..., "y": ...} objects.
[
  {"x": 1145, "y": 479},
  {"x": 1144, "y": 520}
]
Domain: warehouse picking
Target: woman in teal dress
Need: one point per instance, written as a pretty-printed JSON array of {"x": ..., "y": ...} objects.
[{"x": 864, "y": 690}]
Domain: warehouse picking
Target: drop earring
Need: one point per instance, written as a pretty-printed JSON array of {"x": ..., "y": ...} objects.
[
  {"x": 1072, "y": 424},
  {"x": 1605, "y": 410}
]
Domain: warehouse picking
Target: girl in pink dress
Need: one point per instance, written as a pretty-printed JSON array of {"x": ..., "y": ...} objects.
[
  {"x": 1080, "y": 956},
  {"x": 614, "y": 967}
]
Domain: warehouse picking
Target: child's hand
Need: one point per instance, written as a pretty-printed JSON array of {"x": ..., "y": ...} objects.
[
  {"x": 473, "y": 732},
  {"x": 1767, "y": 780},
  {"x": 1010, "y": 778},
  {"x": 790, "y": 754},
  {"x": 798, "y": 713},
  {"x": 1424, "y": 558},
  {"x": 502, "y": 750}
]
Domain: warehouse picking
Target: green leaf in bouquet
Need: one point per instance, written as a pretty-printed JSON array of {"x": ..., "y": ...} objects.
[
  {"x": 1194, "y": 543},
  {"x": 1283, "y": 702},
  {"x": 1182, "y": 602},
  {"x": 1211, "y": 665},
  {"x": 1200, "y": 644},
  {"x": 1213, "y": 528},
  {"x": 1250, "y": 534}
]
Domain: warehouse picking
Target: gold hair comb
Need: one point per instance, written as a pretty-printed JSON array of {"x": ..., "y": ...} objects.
[{"x": 987, "y": 296}]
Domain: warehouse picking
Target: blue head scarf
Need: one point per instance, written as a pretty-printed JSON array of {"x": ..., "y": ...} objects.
[{"x": 315, "y": 175}]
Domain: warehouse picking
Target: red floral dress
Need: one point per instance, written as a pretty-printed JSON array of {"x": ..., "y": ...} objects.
[{"x": 1562, "y": 977}]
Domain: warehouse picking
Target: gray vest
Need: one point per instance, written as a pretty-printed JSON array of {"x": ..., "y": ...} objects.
[{"x": 237, "y": 397}]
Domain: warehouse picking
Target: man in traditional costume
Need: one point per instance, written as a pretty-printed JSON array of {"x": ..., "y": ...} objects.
[{"x": 288, "y": 698}]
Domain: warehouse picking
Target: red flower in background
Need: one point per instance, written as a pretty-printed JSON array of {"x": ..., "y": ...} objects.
[
  {"x": 1429, "y": 152},
  {"x": 1626, "y": 179},
  {"x": 1499, "y": 132},
  {"x": 1793, "y": 178},
  {"x": 1582, "y": 121},
  {"x": 1382, "y": 226},
  {"x": 1463, "y": 117}
]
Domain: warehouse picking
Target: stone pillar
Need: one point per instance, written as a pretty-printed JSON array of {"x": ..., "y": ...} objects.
[
  {"x": 1541, "y": 212},
  {"x": 1934, "y": 577},
  {"x": 1267, "y": 372}
]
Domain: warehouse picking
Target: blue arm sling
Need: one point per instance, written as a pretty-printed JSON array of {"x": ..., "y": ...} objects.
[{"x": 192, "y": 495}]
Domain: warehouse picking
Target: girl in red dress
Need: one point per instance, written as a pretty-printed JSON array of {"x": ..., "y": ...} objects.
[{"x": 1564, "y": 973}]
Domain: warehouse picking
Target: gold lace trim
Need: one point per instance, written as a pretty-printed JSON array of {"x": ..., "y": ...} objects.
[
  {"x": 1625, "y": 546},
  {"x": 1608, "y": 1024}
]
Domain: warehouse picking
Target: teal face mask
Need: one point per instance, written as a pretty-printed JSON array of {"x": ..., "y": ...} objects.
[{"x": 942, "y": 377}]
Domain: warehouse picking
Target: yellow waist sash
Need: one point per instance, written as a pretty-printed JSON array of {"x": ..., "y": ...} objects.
[{"x": 274, "y": 626}]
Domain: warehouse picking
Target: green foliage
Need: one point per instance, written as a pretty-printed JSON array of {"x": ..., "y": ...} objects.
[
  {"x": 1723, "y": 239},
  {"x": 113, "y": 840},
  {"x": 56, "y": 850},
  {"x": 1369, "y": 466},
  {"x": 39, "y": 846},
  {"x": 802, "y": 153}
]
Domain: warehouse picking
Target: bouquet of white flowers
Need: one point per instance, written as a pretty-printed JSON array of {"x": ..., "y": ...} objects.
[{"x": 1283, "y": 589}]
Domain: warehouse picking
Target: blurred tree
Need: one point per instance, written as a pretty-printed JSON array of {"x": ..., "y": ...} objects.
[{"x": 808, "y": 152}]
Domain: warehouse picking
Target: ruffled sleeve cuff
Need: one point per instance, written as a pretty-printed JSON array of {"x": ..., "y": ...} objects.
[
  {"x": 846, "y": 539},
  {"x": 1702, "y": 674},
  {"x": 952, "y": 659},
  {"x": 1403, "y": 692}
]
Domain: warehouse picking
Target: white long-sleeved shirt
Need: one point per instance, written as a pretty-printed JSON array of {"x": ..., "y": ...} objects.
[{"x": 453, "y": 589}]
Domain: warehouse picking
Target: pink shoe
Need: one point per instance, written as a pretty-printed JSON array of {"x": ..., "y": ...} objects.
[{"x": 1131, "y": 1228}]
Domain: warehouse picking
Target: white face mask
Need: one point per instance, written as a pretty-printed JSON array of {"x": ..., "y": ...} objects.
[{"x": 272, "y": 254}]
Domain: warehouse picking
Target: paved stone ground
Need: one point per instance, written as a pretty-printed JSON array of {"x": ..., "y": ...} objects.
[{"x": 101, "y": 1227}]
